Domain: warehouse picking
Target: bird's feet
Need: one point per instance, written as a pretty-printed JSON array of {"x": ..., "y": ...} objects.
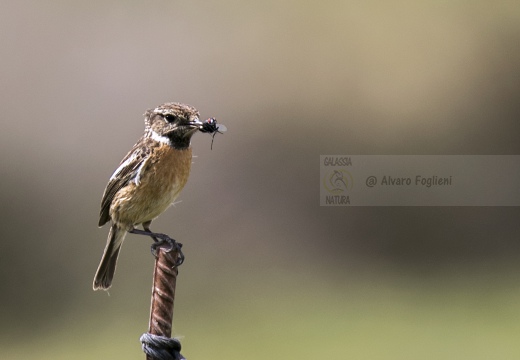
[
  {"x": 161, "y": 240},
  {"x": 170, "y": 245}
]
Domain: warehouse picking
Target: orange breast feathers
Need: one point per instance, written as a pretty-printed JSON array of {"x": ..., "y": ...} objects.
[{"x": 159, "y": 182}]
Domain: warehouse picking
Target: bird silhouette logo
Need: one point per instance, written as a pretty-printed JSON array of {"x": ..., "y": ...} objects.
[{"x": 338, "y": 181}]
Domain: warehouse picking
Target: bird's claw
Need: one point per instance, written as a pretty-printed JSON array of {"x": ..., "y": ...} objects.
[{"x": 171, "y": 245}]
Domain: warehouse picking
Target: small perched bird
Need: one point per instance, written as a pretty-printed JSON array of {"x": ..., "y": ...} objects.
[{"x": 147, "y": 181}]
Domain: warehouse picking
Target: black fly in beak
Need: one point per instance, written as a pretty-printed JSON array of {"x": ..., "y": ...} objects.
[{"x": 211, "y": 126}]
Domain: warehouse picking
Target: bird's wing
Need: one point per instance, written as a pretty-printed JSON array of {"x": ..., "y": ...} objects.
[{"x": 128, "y": 170}]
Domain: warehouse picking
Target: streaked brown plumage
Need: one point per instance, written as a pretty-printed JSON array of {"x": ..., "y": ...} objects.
[{"x": 148, "y": 179}]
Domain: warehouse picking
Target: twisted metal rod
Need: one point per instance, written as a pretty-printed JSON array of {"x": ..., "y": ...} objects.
[
  {"x": 157, "y": 343},
  {"x": 163, "y": 293}
]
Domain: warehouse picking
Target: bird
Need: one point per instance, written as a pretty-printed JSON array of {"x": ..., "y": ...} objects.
[{"x": 147, "y": 181}]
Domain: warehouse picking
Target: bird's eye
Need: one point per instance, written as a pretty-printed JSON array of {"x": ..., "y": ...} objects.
[{"x": 170, "y": 118}]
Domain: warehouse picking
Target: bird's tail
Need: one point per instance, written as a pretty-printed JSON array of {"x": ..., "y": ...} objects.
[{"x": 107, "y": 266}]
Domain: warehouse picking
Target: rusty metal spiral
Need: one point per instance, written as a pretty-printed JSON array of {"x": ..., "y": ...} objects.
[{"x": 163, "y": 296}]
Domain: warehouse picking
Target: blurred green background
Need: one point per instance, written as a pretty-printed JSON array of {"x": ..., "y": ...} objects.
[{"x": 268, "y": 272}]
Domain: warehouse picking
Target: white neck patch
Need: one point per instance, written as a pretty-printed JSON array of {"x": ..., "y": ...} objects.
[{"x": 159, "y": 138}]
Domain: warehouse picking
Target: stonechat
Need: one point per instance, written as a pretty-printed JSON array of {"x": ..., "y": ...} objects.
[{"x": 148, "y": 180}]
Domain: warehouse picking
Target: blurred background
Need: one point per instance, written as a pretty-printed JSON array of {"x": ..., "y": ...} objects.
[{"x": 268, "y": 272}]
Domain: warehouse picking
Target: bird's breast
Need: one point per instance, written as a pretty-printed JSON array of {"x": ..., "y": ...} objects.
[{"x": 160, "y": 180}]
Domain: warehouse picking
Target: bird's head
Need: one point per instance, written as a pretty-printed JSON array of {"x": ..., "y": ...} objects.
[{"x": 172, "y": 123}]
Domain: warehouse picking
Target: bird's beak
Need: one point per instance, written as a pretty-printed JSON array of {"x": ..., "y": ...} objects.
[{"x": 194, "y": 126}]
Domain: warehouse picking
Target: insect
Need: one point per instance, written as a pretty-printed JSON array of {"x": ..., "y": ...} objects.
[{"x": 211, "y": 126}]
